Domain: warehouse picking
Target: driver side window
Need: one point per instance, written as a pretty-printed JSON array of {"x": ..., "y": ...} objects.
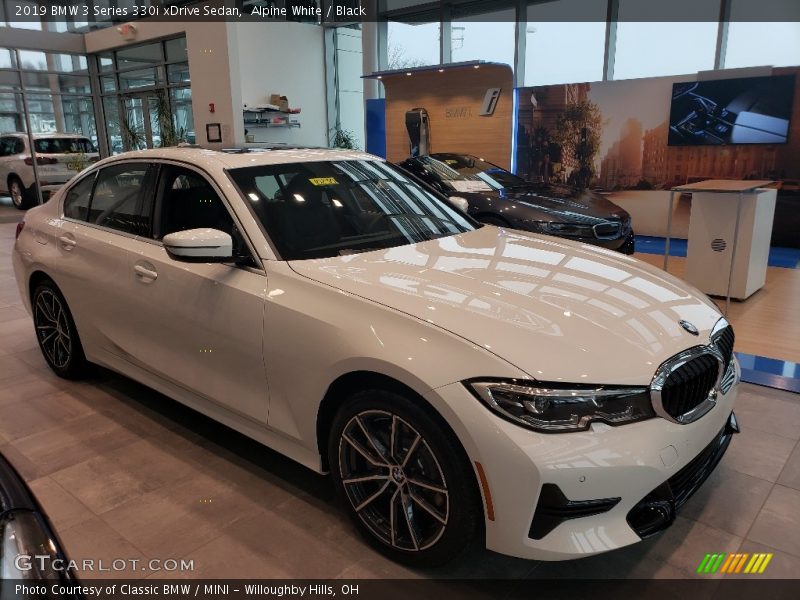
[{"x": 189, "y": 202}]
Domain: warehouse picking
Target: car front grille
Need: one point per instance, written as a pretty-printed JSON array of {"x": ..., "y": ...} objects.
[
  {"x": 724, "y": 343},
  {"x": 689, "y": 385}
]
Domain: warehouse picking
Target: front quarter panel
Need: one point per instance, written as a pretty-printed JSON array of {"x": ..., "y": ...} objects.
[{"x": 315, "y": 333}]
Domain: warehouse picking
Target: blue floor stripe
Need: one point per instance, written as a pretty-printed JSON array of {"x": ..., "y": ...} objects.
[
  {"x": 770, "y": 372},
  {"x": 788, "y": 258}
]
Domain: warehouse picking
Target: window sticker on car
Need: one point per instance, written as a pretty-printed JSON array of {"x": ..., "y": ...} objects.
[
  {"x": 323, "y": 181},
  {"x": 470, "y": 185}
]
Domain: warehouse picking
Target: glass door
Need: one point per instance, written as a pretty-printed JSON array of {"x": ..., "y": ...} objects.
[{"x": 141, "y": 119}]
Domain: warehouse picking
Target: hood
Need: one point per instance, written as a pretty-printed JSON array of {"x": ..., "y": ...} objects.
[
  {"x": 556, "y": 203},
  {"x": 558, "y": 310}
]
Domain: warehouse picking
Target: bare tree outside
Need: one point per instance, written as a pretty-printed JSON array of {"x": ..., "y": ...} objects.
[{"x": 397, "y": 56}]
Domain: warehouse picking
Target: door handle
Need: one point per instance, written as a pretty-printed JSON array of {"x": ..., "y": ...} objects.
[
  {"x": 67, "y": 242},
  {"x": 145, "y": 273}
]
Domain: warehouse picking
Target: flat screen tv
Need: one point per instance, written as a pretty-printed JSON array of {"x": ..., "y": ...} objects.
[{"x": 751, "y": 110}]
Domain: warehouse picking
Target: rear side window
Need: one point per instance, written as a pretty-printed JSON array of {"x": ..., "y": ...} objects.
[
  {"x": 10, "y": 146},
  {"x": 76, "y": 204},
  {"x": 120, "y": 200},
  {"x": 63, "y": 145}
]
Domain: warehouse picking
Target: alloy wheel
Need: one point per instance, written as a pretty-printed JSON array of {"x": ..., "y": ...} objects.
[
  {"x": 17, "y": 196},
  {"x": 52, "y": 328},
  {"x": 393, "y": 480}
]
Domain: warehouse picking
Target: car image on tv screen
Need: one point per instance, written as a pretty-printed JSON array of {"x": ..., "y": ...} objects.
[{"x": 752, "y": 110}]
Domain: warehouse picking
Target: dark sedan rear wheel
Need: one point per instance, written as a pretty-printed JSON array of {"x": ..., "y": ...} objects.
[
  {"x": 56, "y": 333},
  {"x": 403, "y": 479}
]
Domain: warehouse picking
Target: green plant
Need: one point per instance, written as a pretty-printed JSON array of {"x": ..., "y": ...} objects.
[
  {"x": 344, "y": 138},
  {"x": 170, "y": 135},
  {"x": 133, "y": 136},
  {"x": 77, "y": 161}
]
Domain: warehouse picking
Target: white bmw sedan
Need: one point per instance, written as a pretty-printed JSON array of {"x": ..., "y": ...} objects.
[{"x": 460, "y": 382}]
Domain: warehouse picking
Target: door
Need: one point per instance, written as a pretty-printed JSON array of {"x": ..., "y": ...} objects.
[
  {"x": 141, "y": 120},
  {"x": 200, "y": 325},
  {"x": 105, "y": 214}
]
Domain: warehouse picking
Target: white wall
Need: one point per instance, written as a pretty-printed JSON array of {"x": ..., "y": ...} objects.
[
  {"x": 214, "y": 77},
  {"x": 286, "y": 59},
  {"x": 349, "y": 62}
]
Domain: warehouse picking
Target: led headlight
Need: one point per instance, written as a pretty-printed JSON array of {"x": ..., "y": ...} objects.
[
  {"x": 551, "y": 407},
  {"x": 562, "y": 229}
]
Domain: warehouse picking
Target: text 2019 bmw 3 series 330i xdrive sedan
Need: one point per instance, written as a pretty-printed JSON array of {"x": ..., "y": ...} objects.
[{"x": 459, "y": 381}]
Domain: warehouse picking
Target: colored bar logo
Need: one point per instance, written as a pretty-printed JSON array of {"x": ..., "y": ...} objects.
[{"x": 751, "y": 564}]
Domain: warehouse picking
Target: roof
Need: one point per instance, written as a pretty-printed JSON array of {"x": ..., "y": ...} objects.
[{"x": 249, "y": 157}]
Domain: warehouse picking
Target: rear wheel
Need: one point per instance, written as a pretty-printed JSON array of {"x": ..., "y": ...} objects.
[
  {"x": 56, "y": 333},
  {"x": 404, "y": 479},
  {"x": 19, "y": 196}
]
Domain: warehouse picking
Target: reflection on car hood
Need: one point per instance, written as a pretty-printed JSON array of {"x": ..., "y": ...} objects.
[
  {"x": 558, "y": 310},
  {"x": 571, "y": 206}
]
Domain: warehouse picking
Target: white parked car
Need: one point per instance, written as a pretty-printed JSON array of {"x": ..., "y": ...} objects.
[
  {"x": 459, "y": 381},
  {"x": 54, "y": 153}
]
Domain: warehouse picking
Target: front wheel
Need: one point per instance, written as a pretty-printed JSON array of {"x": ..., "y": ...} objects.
[
  {"x": 405, "y": 479},
  {"x": 56, "y": 333}
]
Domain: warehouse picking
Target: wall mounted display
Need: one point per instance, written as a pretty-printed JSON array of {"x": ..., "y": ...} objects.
[
  {"x": 615, "y": 137},
  {"x": 751, "y": 110}
]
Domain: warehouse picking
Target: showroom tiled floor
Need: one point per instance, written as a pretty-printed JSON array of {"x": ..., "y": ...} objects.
[{"x": 126, "y": 473}]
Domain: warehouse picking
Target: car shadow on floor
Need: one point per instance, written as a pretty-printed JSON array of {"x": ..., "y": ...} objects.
[{"x": 259, "y": 463}]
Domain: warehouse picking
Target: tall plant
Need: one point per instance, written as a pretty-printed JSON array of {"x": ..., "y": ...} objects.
[
  {"x": 170, "y": 134},
  {"x": 344, "y": 138}
]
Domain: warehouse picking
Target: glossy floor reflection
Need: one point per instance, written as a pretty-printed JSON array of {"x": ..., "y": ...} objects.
[{"x": 126, "y": 473}]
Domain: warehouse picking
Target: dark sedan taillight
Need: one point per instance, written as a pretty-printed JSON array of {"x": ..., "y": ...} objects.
[{"x": 20, "y": 227}]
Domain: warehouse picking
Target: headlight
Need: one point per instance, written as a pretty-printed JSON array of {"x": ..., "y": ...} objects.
[
  {"x": 556, "y": 407},
  {"x": 563, "y": 229}
]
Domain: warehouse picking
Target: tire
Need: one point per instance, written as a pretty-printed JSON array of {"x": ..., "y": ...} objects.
[
  {"x": 492, "y": 220},
  {"x": 56, "y": 332},
  {"x": 434, "y": 483},
  {"x": 21, "y": 197}
]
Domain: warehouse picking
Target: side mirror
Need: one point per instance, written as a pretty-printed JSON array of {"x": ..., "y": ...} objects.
[
  {"x": 199, "y": 245},
  {"x": 460, "y": 203}
]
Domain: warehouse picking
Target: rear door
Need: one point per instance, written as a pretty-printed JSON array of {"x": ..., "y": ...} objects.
[
  {"x": 200, "y": 325},
  {"x": 60, "y": 158},
  {"x": 105, "y": 215}
]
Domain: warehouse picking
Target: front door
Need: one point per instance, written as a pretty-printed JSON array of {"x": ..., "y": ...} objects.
[
  {"x": 200, "y": 325},
  {"x": 141, "y": 120}
]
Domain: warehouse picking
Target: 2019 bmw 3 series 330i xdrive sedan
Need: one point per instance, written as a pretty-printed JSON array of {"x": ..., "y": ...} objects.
[{"x": 459, "y": 381}]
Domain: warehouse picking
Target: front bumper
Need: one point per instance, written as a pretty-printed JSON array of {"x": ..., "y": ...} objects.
[{"x": 624, "y": 464}]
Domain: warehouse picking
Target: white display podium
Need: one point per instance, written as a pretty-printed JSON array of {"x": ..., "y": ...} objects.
[{"x": 729, "y": 234}]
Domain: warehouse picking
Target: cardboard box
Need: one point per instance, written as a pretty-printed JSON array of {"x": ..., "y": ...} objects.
[{"x": 282, "y": 102}]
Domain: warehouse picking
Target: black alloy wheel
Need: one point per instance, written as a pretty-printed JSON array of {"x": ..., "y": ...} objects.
[{"x": 56, "y": 333}]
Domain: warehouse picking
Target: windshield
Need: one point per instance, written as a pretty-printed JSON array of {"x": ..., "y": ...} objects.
[
  {"x": 63, "y": 145},
  {"x": 452, "y": 168},
  {"x": 335, "y": 208}
]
